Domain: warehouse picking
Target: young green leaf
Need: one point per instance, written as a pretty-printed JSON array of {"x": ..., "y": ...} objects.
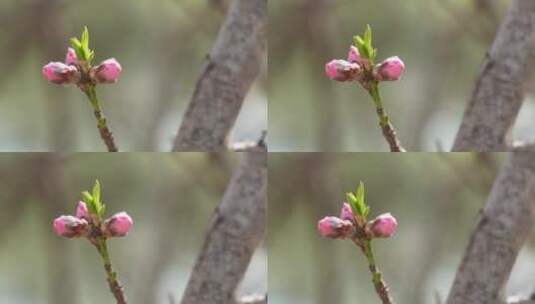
[
  {"x": 102, "y": 210},
  {"x": 352, "y": 201},
  {"x": 87, "y": 197},
  {"x": 81, "y": 47},
  {"x": 96, "y": 192},
  {"x": 85, "y": 38},
  {"x": 368, "y": 35},
  {"x": 89, "y": 202},
  {"x": 364, "y": 44},
  {"x": 357, "y": 203}
]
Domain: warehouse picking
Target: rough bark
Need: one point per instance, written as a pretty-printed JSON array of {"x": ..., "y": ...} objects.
[
  {"x": 504, "y": 225},
  {"x": 498, "y": 94},
  {"x": 236, "y": 229},
  {"x": 233, "y": 65}
]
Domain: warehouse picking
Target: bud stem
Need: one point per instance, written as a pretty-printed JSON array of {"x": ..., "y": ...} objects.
[
  {"x": 377, "y": 278},
  {"x": 102, "y": 126},
  {"x": 388, "y": 129},
  {"x": 115, "y": 286}
]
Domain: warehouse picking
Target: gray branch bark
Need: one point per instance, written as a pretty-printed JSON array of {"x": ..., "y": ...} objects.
[
  {"x": 503, "y": 227},
  {"x": 491, "y": 113},
  {"x": 236, "y": 229},
  {"x": 233, "y": 65}
]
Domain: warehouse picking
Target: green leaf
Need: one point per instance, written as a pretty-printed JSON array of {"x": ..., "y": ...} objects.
[
  {"x": 89, "y": 202},
  {"x": 362, "y": 207},
  {"x": 87, "y": 198},
  {"x": 75, "y": 43},
  {"x": 360, "y": 193},
  {"x": 357, "y": 203},
  {"x": 81, "y": 47},
  {"x": 364, "y": 44},
  {"x": 368, "y": 35},
  {"x": 85, "y": 38},
  {"x": 352, "y": 201},
  {"x": 96, "y": 192},
  {"x": 102, "y": 210}
]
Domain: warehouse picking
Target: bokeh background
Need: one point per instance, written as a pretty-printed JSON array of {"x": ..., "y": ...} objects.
[
  {"x": 442, "y": 43},
  {"x": 171, "y": 198},
  {"x": 436, "y": 199},
  {"x": 162, "y": 46}
]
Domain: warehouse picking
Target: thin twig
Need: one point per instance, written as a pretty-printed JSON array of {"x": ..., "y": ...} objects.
[
  {"x": 384, "y": 121},
  {"x": 377, "y": 278},
  {"x": 111, "y": 276},
  {"x": 105, "y": 132}
]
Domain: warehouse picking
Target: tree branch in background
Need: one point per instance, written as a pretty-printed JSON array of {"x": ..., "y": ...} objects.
[
  {"x": 236, "y": 229},
  {"x": 491, "y": 113},
  {"x": 233, "y": 65},
  {"x": 505, "y": 223}
]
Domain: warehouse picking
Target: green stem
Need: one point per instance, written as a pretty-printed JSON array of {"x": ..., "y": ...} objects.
[
  {"x": 105, "y": 132},
  {"x": 113, "y": 282},
  {"x": 377, "y": 278},
  {"x": 384, "y": 122}
]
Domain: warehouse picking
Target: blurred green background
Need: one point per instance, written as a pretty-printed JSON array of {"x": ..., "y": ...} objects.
[
  {"x": 436, "y": 199},
  {"x": 442, "y": 43},
  {"x": 162, "y": 46},
  {"x": 170, "y": 197}
]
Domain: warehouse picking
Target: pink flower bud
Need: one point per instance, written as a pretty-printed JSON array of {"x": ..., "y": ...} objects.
[
  {"x": 341, "y": 70},
  {"x": 334, "y": 227},
  {"x": 81, "y": 211},
  {"x": 60, "y": 73},
  {"x": 390, "y": 69},
  {"x": 383, "y": 226},
  {"x": 70, "y": 57},
  {"x": 346, "y": 213},
  {"x": 353, "y": 55},
  {"x": 118, "y": 225},
  {"x": 70, "y": 226},
  {"x": 107, "y": 71}
]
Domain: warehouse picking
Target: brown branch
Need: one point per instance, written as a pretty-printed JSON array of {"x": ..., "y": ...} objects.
[
  {"x": 105, "y": 132},
  {"x": 498, "y": 94},
  {"x": 389, "y": 133},
  {"x": 236, "y": 229},
  {"x": 504, "y": 225},
  {"x": 233, "y": 65}
]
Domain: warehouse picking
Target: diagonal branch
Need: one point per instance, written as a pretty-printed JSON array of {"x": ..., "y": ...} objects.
[
  {"x": 233, "y": 65},
  {"x": 499, "y": 93},
  {"x": 504, "y": 225},
  {"x": 236, "y": 229}
]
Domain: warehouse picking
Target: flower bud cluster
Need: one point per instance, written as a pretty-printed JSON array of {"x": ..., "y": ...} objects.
[
  {"x": 84, "y": 224},
  {"x": 72, "y": 71},
  {"x": 358, "y": 68},
  {"x": 348, "y": 224}
]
